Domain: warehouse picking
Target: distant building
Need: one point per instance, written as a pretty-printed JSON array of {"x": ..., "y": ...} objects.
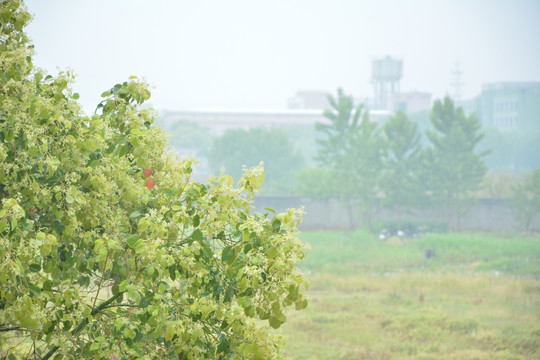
[
  {"x": 410, "y": 102},
  {"x": 221, "y": 120},
  {"x": 471, "y": 106},
  {"x": 309, "y": 100},
  {"x": 506, "y": 106}
]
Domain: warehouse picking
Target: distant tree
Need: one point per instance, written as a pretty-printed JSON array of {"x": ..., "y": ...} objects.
[
  {"x": 512, "y": 151},
  {"x": 188, "y": 135},
  {"x": 454, "y": 169},
  {"x": 367, "y": 152},
  {"x": 317, "y": 182},
  {"x": 237, "y": 148},
  {"x": 421, "y": 119},
  {"x": 350, "y": 148},
  {"x": 402, "y": 184},
  {"x": 303, "y": 136},
  {"x": 108, "y": 248},
  {"x": 525, "y": 199},
  {"x": 498, "y": 185}
]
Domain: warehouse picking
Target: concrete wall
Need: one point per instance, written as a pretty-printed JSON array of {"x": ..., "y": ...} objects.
[{"x": 485, "y": 215}]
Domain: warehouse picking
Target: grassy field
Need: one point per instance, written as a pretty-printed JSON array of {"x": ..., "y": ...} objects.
[{"x": 479, "y": 298}]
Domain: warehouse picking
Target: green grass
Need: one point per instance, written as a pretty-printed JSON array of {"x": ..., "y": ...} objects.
[
  {"x": 478, "y": 299},
  {"x": 357, "y": 252}
]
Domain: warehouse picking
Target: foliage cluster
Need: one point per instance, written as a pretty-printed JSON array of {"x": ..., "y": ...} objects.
[{"x": 97, "y": 265}]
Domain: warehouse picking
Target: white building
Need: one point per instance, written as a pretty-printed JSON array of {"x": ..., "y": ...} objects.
[{"x": 221, "y": 120}]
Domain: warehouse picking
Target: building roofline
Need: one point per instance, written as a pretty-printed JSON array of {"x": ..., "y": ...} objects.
[
  {"x": 510, "y": 85},
  {"x": 297, "y": 112}
]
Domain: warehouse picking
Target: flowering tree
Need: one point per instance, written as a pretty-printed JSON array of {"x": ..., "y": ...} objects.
[{"x": 108, "y": 249}]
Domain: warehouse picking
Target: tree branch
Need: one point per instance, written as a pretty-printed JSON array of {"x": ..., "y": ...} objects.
[
  {"x": 84, "y": 322},
  {"x": 11, "y": 328}
]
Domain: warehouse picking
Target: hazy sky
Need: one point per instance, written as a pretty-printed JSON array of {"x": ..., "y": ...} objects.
[{"x": 256, "y": 54}]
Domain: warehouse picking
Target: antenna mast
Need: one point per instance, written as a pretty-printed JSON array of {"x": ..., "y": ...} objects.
[{"x": 457, "y": 81}]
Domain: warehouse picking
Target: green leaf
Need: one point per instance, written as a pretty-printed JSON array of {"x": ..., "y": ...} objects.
[
  {"x": 172, "y": 272},
  {"x": 132, "y": 240},
  {"x": 249, "y": 350},
  {"x": 227, "y": 253},
  {"x": 69, "y": 199},
  {"x": 274, "y": 322},
  {"x": 75, "y": 96},
  {"x": 45, "y": 249},
  {"x": 302, "y": 304},
  {"x": 123, "y": 285},
  {"x": 35, "y": 267},
  {"x": 276, "y": 225},
  {"x": 33, "y": 151},
  {"x": 135, "y": 214},
  {"x": 29, "y": 322},
  {"x": 56, "y": 273},
  {"x": 130, "y": 334},
  {"x": 197, "y": 235},
  {"x": 133, "y": 293},
  {"x": 272, "y": 252},
  {"x": 169, "y": 332},
  {"x": 105, "y": 94}
]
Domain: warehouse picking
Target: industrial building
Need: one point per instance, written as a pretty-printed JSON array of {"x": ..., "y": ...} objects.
[
  {"x": 221, "y": 120},
  {"x": 506, "y": 106}
]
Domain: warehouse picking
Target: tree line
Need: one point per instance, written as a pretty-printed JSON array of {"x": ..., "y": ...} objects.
[{"x": 370, "y": 165}]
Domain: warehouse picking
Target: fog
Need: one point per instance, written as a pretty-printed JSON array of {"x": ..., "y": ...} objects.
[
  {"x": 226, "y": 78},
  {"x": 385, "y": 151},
  {"x": 251, "y": 54}
]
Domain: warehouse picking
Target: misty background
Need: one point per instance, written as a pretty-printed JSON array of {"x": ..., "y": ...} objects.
[
  {"x": 423, "y": 220},
  {"x": 240, "y": 82},
  {"x": 254, "y": 54}
]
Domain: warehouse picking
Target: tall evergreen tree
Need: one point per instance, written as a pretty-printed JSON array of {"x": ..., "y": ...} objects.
[
  {"x": 454, "y": 168},
  {"x": 401, "y": 183},
  {"x": 350, "y": 148}
]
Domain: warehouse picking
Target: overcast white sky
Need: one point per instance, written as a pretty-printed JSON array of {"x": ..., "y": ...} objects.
[{"x": 256, "y": 54}]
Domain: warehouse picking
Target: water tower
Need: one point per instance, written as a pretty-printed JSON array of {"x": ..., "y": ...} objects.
[{"x": 385, "y": 76}]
